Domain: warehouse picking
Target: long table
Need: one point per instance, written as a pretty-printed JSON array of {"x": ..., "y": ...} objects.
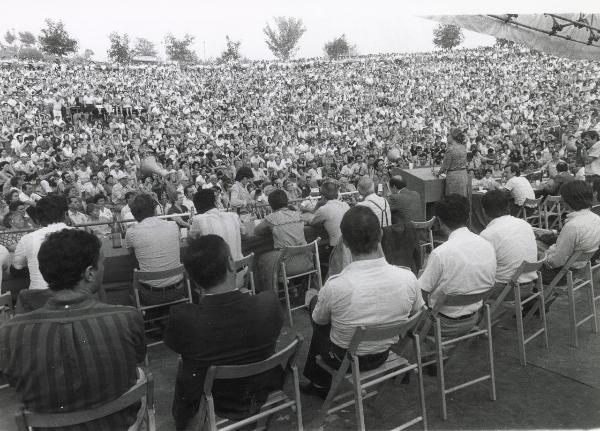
[{"x": 120, "y": 262}]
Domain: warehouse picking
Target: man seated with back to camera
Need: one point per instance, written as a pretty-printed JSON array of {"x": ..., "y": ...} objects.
[
  {"x": 155, "y": 243},
  {"x": 369, "y": 291},
  {"x": 464, "y": 264},
  {"x": 405, "y": 204},
  {"x": 581, "y": 231},
  {"x": 512, "y": 238},
  {"x": 226, "y": 327},
  {"x": 74, "y": 353}
]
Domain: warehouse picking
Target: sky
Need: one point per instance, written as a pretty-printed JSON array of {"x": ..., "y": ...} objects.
[{"x": 374, "y": 26}]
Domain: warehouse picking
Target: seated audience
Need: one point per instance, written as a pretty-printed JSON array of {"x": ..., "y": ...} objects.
[
  {"x": 519, "y": 187},
  {"x": 75, "y": 352},
  {"x": 405, "y": 204},
  {"x": 369, "y": 291},
  {"x": 50, "y": 212},
  {"x": 464, "y": 264},
  {"x": 155, "y": 243},
  {"x": 227, "y": 327},
  {"x": 562, "y": 176}
]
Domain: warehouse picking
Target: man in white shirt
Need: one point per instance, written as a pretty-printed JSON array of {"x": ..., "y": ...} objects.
[
  {"x": 378, "y": 204},
  {"x": 331, "y": 213},
  {"x": 512, "y": 238},
  {"x": 92, "y": 188},
  {"x": 592, "y": 160},
  {"x": 51, "y": 212},
  {"x": 369, "y": 291},
  {"x": 464, "y": 264},
  {"x": 518, "y": 186}
]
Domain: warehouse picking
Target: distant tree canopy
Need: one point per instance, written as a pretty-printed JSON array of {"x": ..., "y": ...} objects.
[
  {"x": 144, "y": 48},
  {"x": 339, "y": 47},
  {"x": 9, "y": 37},
  {"x": 447, "y": 36},
  {"x": 180, "y": 49},
  {"x": 232, "y": 50},
  {"x": 283, "y": 39},
  {"x": 87, "y": 54},
  {"x": 26, "y": 38},
  {"x": 119, "y": 50},
  {"x": 55, "y": 39},
  {"x": 30, "y": 53}
]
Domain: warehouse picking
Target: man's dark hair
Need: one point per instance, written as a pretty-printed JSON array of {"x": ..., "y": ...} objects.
[
  {"x": 577, "y": 194},
  {"x": 495, "y": 203},
  {"x": 278, "y": 199},
  {"x": 187, "y": 188},
  {"x": 142, "y": 207},
  {"x": 204, "y": 200},
  {"x": 361, "y": 230},
  {"x": 398, "y": 182},
  {"x": 98, "y": 197},
  {"x": 64, "y": 256},
  {"x": 243, "y": 172},
  {"x": 592, "y": 134},
  {"x": 453, "y": 211},
  {"x": 514, "y": 168},
  {"x": 129, "y": 194},
  {"x": 205, "y": 260},
  {"x": 51, "y": 209},
  {"x": 330, "y": 190},
  {"x": 562, "y": 167}
]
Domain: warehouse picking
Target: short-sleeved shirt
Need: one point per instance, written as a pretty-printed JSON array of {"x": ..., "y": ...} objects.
[
  {"x": 288, "y": 228},
  {"x": 520, "y": 189},
  {"x": 330, "y": 215},
  {"x": 156, "y": 246},
  {"x": 367, "y": 292},
  {"x": 224, "y": 224},
  {"x": 380, "y": 207}
]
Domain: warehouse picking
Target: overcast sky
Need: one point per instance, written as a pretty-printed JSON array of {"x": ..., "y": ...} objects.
[{"x": 374, "y": 26}]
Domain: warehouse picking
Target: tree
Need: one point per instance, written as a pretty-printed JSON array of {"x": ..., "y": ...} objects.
[
  {"x": 55, "y": 39},
  {"x": 180, "y": 49},
  {"x": 9, "y": 37},
  {"x": 339, "y": 47},
  {"x": 283, "y": 40},
  {"x": 26, "y": 38},
  {"x": 30, "y": 53},
  {"x": 232, "y": 50},
  {"x": 88, "y": 54},
  {"x": 144, "y": 48},
  {"x": 447, "y": 36},
  {"x": 119, "y": 51}
]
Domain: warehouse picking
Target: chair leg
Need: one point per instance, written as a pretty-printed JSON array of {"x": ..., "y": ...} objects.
[
  {"x": 440, "y": 366},
  {"x": 488, "y": 319},
  {"x": 594, "y": 322},
  {"x": 336, "y": 382},
  {"x": 287, "y": 301},
  {"x": 300, "y": 426},
  {"x": 417, "y": 346},
  {"x": 542, "y": 301},
  {"x": 520, "y": 331},
  {"x": 572, "y": 309},
  {"x": 358, "y": 402}
]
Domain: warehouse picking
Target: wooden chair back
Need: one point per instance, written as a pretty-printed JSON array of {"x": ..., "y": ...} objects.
[{"x": 247, "y": 262}]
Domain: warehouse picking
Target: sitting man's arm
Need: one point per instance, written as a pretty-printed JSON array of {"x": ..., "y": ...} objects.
[
  {"x": 128, "y": 244},
  {"x": 321, "y": 314},
  {"x": 558, "y": 254},
  {"x": 430, "y": 279}
]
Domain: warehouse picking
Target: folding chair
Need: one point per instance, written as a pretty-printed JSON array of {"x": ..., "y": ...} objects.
[
  {"x": 247, "y": 262},
  {"x": 462, "y": 300},
  {"x": 531, "y": 212},
  {"x": 277, "y": 400},
  {"x": 363, "y": 380},
  {"x": 289, "y": 253},
  {"x": 553, "y": 210},
  {"x": 142, "y": 391},
  {"x": 514, "y": 285},
  {"x": 570, "y": 270},
  {"x": 426, "y": 226},
  {"x": 143, "y": 277}
]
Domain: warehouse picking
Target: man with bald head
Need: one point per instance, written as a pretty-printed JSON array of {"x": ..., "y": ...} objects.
[
  {"x": 378, "y": 204},
  {"x": 404, "y": 203}
]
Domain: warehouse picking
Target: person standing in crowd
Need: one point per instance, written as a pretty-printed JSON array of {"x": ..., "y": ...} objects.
[
  {"x": 455, "y": 164},
  {"x": 53, "y": 343},
  {"x": 512, "y": 238},
  {"x": 464, "y": 264},
  {"x": 369, "y": 291},
  {"x": 227, "y": 327},
  {"x": 405, "y": 204},
  {"x": 155, "y": 243},
  {"x": 378, "y": 204},
  {"x": 51, "y": 212}
]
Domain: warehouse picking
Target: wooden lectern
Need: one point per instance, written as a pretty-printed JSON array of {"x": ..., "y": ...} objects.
[{"x": 422, "y": 180}]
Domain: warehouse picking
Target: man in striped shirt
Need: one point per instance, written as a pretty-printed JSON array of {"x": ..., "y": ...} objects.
[{"x": 74, "y": 353}]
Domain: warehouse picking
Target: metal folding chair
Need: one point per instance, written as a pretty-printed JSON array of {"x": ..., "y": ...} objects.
[
  {"x": 142, "y": 391},
  {"x": 514, "y": 285},
  {"x": 277, "y": 400},
  {"x": 247, "y": 262},
  {"x": 288, "y": 253},
  {"x": 143, "y": 277},
  {"x": 361, "y": 381},
  {"x": 531, "y": 212},
  {"x": 427, "y": 228}
]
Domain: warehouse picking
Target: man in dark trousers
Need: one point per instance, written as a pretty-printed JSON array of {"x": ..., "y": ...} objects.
[{"x": 227, "y": 327}]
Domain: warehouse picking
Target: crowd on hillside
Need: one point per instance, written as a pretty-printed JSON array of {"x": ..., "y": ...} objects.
[{"x": 82, "y": 130}]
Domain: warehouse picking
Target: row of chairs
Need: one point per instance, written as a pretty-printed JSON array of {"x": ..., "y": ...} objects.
[{"x": 545, "y": 213}]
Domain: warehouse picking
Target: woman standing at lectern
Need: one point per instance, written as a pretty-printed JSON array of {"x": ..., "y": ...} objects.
[{"x": 455, "y": 164}]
